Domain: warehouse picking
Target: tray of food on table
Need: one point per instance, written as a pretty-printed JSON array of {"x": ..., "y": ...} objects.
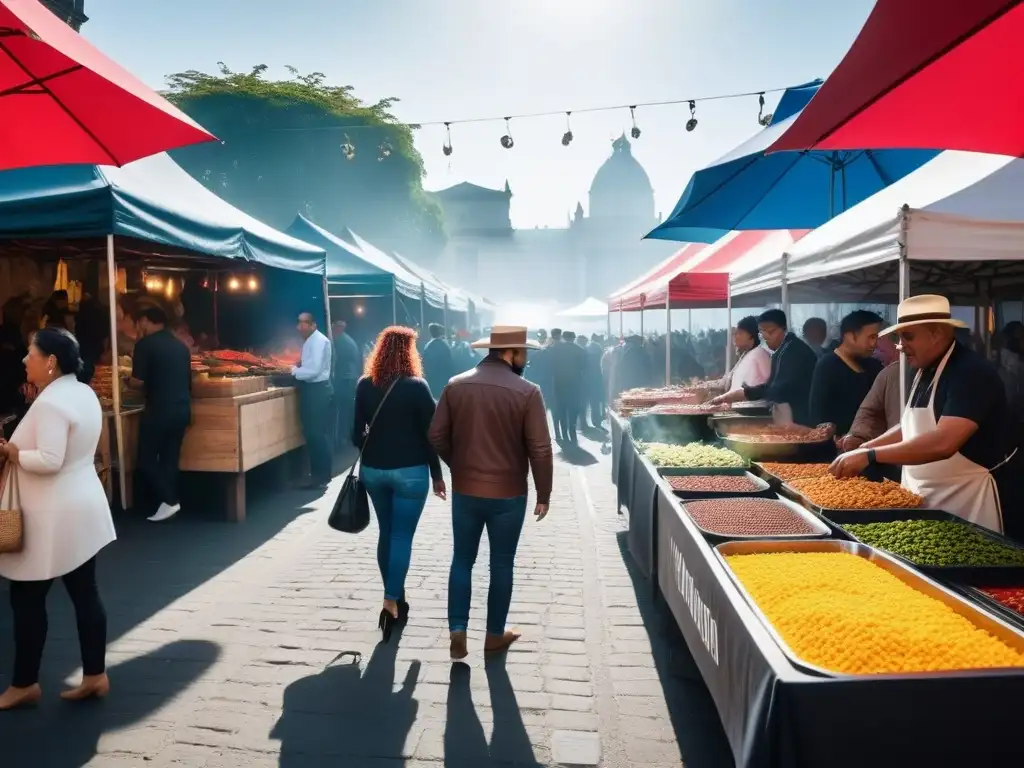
[
  {"x": 695, "y": 455},
  {"x": 712, "y": 483},
  {"x": 1001, "y": 593},
  {"x": 843, "y": 609},
  {"x": 823, "y": 494},
  {"x": 753, "y": 518},
  {"x": 644, "y": 398},
  {"x": 777, "y": 473},
  {"x": 936, "y": 542},
  {"x": 761, "y": 439}
]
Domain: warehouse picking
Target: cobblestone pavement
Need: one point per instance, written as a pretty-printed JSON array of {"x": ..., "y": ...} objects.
[{"x": 254, "y": 646}]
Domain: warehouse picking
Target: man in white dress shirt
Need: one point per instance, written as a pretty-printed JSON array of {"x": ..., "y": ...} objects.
[{"x": 313, "y": 374}]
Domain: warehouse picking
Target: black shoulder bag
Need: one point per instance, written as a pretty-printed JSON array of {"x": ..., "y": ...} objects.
[{"x": 351, "y": 511}]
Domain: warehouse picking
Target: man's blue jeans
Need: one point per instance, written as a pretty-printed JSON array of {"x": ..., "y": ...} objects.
[
  {"x": 398, "y": 497},
  {"x": 503, "y": 519}
]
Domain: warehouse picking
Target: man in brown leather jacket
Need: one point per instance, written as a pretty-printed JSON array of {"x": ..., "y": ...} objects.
[{"x": 491, "y": 429}]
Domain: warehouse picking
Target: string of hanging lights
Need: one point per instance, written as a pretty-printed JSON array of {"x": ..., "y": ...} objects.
[{"x": 385, "y": 149}]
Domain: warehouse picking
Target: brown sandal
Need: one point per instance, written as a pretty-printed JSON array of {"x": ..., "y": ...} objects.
[
  {"x": 458, "y": 646},
  {"x": 95, "y": 687},
  {"x": 495, "y": 644}
]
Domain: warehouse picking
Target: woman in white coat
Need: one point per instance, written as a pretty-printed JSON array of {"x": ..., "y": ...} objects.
[
  {"x": 66, "y": 518},
  {"x": 754, "y": 365}
]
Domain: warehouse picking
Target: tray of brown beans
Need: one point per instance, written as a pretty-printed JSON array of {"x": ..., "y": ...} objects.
[
  {"x": 717, "y": 486},
  {"x": 754, "y": 518},
  {"x": 826, "y": 493}
]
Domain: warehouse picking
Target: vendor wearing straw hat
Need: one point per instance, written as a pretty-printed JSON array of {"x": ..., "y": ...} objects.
[{"x": 956, "y": 441}]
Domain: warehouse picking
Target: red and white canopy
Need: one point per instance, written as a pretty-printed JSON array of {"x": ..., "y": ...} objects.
[{"x": 699, "y": 278}]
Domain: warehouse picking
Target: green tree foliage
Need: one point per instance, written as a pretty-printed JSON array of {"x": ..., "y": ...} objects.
[{"x": 301, "y": 145}]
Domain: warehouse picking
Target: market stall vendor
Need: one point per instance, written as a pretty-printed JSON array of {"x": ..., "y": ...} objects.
[
  {"x": 956, "y": 441},
  {"x": 789, "y": 381},
  {"x": 843, "y": 377},
  {"x": 754, "y": 363}
]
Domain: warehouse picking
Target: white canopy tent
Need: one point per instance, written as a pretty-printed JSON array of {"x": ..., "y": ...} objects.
[
  {"x": 954, "y": 226},
  {"x": 587, "y": 309}
]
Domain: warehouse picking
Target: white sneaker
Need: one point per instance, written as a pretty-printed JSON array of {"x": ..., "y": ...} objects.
[{"x": 165, "y": 512}]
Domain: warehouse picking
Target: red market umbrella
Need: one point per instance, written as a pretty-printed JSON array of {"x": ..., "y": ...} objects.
[
  {"x": 924, "y": 75},
  {"x": 63, "y": 102}
]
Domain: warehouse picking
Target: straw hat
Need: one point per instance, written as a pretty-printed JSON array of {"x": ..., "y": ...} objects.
[
  {"x": 919, "y": 310},
  {"x": 506, "y": 337}
]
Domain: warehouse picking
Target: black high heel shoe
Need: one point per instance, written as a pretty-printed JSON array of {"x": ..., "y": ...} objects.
[
  {"x": 403, "y": 611},
  {"x": 386, "y": 624}
]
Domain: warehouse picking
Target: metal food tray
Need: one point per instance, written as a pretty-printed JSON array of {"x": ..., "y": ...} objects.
[
  {"x": 971, "y": 591},
  {"x": 774, "y": 480},
  {"x": 994, "y": 625},
  {"x": 663, "y": 471},
  {"x": 792, "y": 493},
  {"x": 763, "y": 490},
  {"x": 839, "y": 518},
  {"x": 760, "y": 451},
  {"x": 821, "y": 530}
]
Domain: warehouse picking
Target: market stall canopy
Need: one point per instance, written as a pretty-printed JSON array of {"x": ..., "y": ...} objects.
[
  {"x": 589, "y": 308},
  {"x": 64, "y": 102},
  {"x": 961, "y": 207},
  {"x": 748, "y": 189},
  {"x": 154, "y": 200},
  {"x": 458, "y": 299},
  {"x": 434, "y": 294},
  {"x": 353, "y": 269},
  {"x": 911, "y": 58},
  {"x": 672, "y": 263},
  {"x": 702, "y": 281}
]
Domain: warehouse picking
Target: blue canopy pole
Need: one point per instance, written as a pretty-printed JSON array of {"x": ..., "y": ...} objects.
[
  {"x": 447, "y": 327},
  {"x": 394, "y": 301},
  {"x": 423, "y": 309},
  {"x": 114, "y": 374}
]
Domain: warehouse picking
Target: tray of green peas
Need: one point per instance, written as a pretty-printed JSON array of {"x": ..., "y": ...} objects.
[{"x": 938, "y": 543}]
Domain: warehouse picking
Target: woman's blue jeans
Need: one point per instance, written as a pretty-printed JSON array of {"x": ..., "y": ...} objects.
[
  {"x": 398, "y": 497},
  {"x": 503, "y": 519}
]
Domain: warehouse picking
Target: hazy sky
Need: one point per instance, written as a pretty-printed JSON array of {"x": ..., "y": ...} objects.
[{"x": 453, "y": 59}]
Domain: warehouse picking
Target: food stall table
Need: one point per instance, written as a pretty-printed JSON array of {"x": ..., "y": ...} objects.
[
  {"x": 234, "y": 433},
  {"x": 107, "y": 458}
]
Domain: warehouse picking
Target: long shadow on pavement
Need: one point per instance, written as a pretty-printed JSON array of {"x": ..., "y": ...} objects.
[
  {"x": 699, "y": 733},
  {"x": 64, "y": 735},
  {"x": 465, "y": 743},
  {"x": 348, "y": 716},
  {"x": 152, "y": 565}
]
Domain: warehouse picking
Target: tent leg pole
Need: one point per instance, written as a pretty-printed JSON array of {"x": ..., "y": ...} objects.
[
  {"x": 668, "y": 344},
  {"x": 785, "y": 285},
  {"x": 118, "y": 427},
  {"x": 904, "y": 293},
  {"x": 728, "y": 330},
  {"x": 394, "y": 304},
  {"x": 327, "y": 303},
  {"x": 621, "y": 330},
  {"x": 608, "y": 317},
  {"x": 423, "y": 309},
  {"x": 446, "y": 326}
]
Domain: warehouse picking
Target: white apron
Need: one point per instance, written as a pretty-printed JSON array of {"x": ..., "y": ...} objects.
[{"x": 956, "y": 485}]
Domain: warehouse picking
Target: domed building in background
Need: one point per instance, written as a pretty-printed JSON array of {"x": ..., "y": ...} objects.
[
  {"x": 593, "y": 255},
  {"x": 71, "y": 12}
]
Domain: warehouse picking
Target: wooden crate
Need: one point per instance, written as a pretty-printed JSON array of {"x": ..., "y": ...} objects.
[{"x": 222, "y": 387}]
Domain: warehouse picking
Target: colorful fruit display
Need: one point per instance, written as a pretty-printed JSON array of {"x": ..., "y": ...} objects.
[
  {"x": 747, "y": 517},
  {"x": 844, "y": 614},
  {"x": 788, "y": 471},
  {"x": 937, "y": 543},
  {"x": 855, "y": 493},
  {"x": 713, "y": 483},
  {"x": 691, "y": 455},
  {"x": 1011, "y": 597}
]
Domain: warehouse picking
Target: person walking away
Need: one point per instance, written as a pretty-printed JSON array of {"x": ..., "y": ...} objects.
[
  {"x": 594, "y": 380},
  {"x": 438, "y": 366},
  {"x": 65, "y": 516},
  {"x": 789, "y": 382},
  {"x": 843, "y": 377},
  {"x": 397, "y": 463},
  {"x": 814, "y": 335},
  {"x": 490, "y": 428},
  {"x": 313, "y": 374},
  {"x": 568, "y": 366},
  {"x": 162, "y": 368},
  {"x": 632, "y": 368},
  {"x": 550, "y": 398},
  {"x": 754, "y": 361},
  {"x": 348, "y": 366}
]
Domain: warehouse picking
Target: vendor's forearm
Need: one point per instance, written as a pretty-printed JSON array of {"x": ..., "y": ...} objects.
[
  {"x": 923, "y": 449},
  {"x": 890, "y": 437},
  {"x": 735, "y": 396}
]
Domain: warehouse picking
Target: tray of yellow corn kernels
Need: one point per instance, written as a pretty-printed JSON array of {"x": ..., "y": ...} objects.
[{"x": 842, "y": 609}]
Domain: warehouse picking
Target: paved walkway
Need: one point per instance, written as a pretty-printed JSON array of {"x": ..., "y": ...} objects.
[{"x": 254, "y": 646}]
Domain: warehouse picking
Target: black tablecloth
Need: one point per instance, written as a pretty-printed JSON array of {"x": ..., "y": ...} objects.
[
  {"x": 642, "y": 512},
  {"x": 776, "y": 716}
]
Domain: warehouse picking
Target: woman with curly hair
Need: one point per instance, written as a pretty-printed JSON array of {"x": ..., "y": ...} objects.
[{"x": 398, "y": 464}]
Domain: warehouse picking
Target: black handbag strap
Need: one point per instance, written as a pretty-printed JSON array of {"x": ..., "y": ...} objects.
[{"x": 369, "y": 428}]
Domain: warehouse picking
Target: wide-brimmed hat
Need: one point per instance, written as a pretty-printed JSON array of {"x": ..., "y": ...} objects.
[
  {"x": 506, "y": 337},
  {"x": 918, "y": 310}
]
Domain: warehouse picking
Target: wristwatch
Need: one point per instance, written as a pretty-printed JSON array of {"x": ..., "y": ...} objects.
[{"x": 871, "y": 457}]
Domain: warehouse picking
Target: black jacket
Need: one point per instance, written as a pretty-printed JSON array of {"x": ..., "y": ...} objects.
[
  {"x": 438, "y": 366},
  {"x": 790, "y": 379}
]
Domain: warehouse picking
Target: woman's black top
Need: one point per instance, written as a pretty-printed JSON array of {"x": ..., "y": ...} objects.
[
  {"x": 837, "y": 390},
  {"x": 399, "y": 437}
]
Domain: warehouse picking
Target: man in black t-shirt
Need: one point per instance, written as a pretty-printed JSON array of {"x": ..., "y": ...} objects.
[
  {"x": 161, "y": 367},
  {"x": 843, "y": 377}
]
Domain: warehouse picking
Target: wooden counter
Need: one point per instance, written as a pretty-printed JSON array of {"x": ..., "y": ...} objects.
[{"x": 234, "y": 434}]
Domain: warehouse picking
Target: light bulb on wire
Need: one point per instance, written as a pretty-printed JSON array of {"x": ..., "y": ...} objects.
[
  {"x": 567, "y": 136},
  {"x": 506, "y": 141},
  {"x": 635, "y": 130},
  {"x": 692, "y": 122},
  {"x": 447, "y": 148},
  {"x": 763, "y": 119}
]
